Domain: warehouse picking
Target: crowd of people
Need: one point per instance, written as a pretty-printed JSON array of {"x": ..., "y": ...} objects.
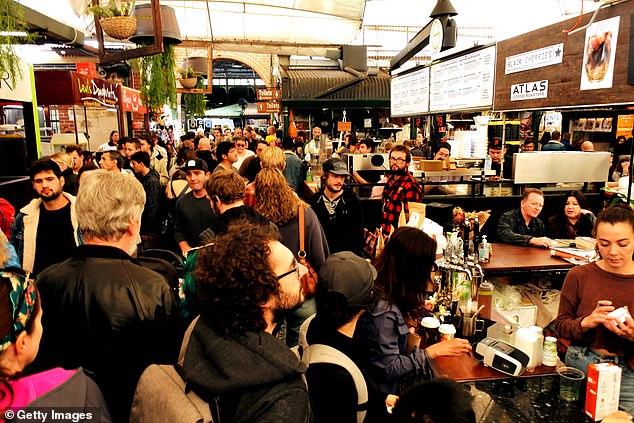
[{"x": 85, "y": 310}]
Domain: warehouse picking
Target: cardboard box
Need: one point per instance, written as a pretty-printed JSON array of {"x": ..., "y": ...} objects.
[
  {"x": 430, "y": 165},
  {"x": 603, "y": 390}
]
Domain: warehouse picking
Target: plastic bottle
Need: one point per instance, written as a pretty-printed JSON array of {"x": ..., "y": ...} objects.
[
  {"x": 526, "y": 341},
  {"x": 487, "y": 162},
  {"x": 485, "y": 298},
  {"x": 309, "y": 175},
  {"x": 483, "y": 250},
  {"x": 539, "y": 346}
]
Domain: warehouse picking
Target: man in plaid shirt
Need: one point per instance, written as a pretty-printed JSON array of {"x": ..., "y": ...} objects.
[{"x": 401, "y": 186}]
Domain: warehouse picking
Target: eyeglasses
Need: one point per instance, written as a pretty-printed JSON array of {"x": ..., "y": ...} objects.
[
  {"x": 241, "y": 145},
  {"x": 294, "y": 269},
  {"x": 398, "y": 160}
]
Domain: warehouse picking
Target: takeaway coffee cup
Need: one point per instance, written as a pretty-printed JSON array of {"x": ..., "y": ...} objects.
[
  {"x": 471, "y": 324},
  {"x": 447, "y": 332},
  {"x": 430, "y": 330}
]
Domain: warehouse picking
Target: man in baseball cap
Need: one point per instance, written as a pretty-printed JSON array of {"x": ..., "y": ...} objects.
[
  {"x": 198, "y": 164},
  {"x": 345, "y": 291},
  {"x": 193, "y": 212},
  {"x": 338, "y": 209},
  {"x": 497, "y": 152}
]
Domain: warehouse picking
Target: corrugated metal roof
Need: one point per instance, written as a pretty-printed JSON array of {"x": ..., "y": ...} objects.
[{"x": 306, "y": 84}]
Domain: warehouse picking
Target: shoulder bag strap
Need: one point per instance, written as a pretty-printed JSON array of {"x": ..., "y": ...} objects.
[
  {"x": 180, "y": 194},
  {"x": 301, "y": 229},
  {"x": 171, "y": 184}
]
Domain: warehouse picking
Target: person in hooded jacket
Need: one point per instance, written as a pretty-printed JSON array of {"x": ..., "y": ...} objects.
[{"x": 244, "y": 277}]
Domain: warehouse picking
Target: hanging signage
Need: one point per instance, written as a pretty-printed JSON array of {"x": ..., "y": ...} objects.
[
  {"x": 131, "y": 100},
  {"x": 409, "y": 93},
  {"x": 21, "y": 90},
  {"x": 269, "y": 106},
  {"x": 269, "y": 94},
  {"x": 546, "y": 56},
  {"x": 465, "y": 82},
  {"x": 344, "y": 126},
  {"x": 93, "y": 91},
  {"x": 529, "y": 90}
]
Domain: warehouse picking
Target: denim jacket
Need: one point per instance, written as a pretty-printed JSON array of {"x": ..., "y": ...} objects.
[{"x": 384, "y": 333}]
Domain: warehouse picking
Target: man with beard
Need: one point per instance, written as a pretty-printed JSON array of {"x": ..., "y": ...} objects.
[
  {"x": 104, "y": 311},
  {"x": 339, "y": 209},
  {"x": 45, "y": 230},
  {"x": 400, "y": 189},
  {"x": 244, "y": 278}
]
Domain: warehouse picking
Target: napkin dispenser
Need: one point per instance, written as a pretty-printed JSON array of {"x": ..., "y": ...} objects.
[{"x": 501, "y": 356}]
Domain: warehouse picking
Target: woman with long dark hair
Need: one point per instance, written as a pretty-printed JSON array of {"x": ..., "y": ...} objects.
[
  {"x": 404, "y": 270},
  {"x": 573, "y": 219}
]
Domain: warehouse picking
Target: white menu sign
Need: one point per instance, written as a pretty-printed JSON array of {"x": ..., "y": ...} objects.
[
  {"x": 465, "y": 82},
  {"x": 410, "y": 93},
  {"x": 534, "y": 59}
]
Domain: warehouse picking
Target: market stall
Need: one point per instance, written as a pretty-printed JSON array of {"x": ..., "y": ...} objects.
[
  {"x": 82, "y": 104},
  {"x": 580, "y": 70}
]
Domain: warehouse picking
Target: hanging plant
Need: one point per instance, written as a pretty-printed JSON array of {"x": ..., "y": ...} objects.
[
  {"x": 115, "y": 18},
  {"x": 195, "y": 104},
  {"x": 158, "y": 82},
  {"x": 12, "y": 24}
]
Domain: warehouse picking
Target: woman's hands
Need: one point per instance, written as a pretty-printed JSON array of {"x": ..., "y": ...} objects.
[
  {"x": 598, "y": 316},
  {"x": 622, "y": 328},
  {"x": 450, "y": 348}
]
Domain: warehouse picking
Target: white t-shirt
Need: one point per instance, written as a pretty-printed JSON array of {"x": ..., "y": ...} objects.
[{"x": 247, "y": 153}]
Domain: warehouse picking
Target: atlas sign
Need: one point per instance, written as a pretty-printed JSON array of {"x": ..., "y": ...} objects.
[{"x": 529, "y": 90}]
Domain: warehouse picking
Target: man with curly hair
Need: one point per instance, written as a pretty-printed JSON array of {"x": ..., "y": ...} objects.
[{"x": 232, "y": 354}]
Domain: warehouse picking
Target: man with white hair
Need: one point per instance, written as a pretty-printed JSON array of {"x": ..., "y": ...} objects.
[{"x": 105, "y": 312}]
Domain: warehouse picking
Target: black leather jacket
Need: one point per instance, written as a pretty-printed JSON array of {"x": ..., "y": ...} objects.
[{"x": 107, "y": 314}]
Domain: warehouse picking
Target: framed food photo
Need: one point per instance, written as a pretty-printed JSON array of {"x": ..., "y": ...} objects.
[{"x": 597, "y": 68}]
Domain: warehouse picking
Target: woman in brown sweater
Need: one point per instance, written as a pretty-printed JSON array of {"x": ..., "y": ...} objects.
[{"x": 592, "y": 291}]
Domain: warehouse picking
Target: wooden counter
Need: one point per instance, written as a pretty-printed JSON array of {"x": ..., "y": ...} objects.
[
  {"x": 509, "y": 258},
  {"x": 466, "y": 368}
]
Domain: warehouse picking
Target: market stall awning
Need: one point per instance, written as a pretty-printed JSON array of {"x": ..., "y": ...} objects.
[
  {"x": 235, "y": 111},
  {"x": 312, "y": 86}
]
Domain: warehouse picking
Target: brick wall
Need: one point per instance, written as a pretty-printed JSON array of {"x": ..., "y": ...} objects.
[{"x": 66, "y": 122}]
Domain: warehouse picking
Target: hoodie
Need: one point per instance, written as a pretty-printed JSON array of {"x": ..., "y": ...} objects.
[{"x": 255, "y": 376}]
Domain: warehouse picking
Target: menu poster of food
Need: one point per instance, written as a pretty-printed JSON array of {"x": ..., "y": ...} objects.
[
  {"x": 625, "y": 125},
  {"x": 410, "y": 93},
  {"x": 599, "y": 52},
  {"x": 465, "y": 82},
  {"x": 603, "y": 125}
]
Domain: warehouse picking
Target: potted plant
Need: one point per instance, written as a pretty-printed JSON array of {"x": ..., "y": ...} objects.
[
  {"x": 13, "y": 22},
  {"x": 188, "y": 78},
  {"x": 115, "y": 18},
  {"x": 195, "y": 104},
  {"x": 158, "y": 79}
]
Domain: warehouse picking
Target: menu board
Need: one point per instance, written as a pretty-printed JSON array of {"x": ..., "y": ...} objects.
[
  {"x": 465, "y": 82},
  {"x": 410, "y": 93}
]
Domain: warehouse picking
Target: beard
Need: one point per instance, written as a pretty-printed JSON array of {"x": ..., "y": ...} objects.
[
  {"x": 397, "y": 171},
  {"x": 50, "y": 196},
  {"x": 289, "y": 300}
]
